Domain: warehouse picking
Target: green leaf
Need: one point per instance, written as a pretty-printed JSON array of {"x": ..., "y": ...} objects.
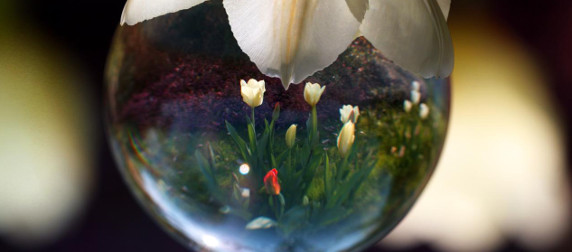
[
  {"x": 241, "y": 144},
  {"x": 364, "y": 174},
  {"x": 276, "y": 112},
  {"x": 294, "y": 219},
  {"x": 210, "y": 179},
  {"x": 212, "y": 161},
  {"x": 273, "y": 160},
  {"x": 204, "y": 166},
  {"x": 351, "y": 186},
  {"x": 304, "y": 154},
  {"x": 328, "y": 183},
  {"x": 262, "y": 145},
  {"x": 341, "y": 170},
  {"x": 282, "y": 203},
  {"x": 236, "y": 192},
  {"x": 252, "y": 136},
  {"x": 266, "y": 126},
  {"x": 332, "y": 215},
  {"x": 312, "y": 166},
  {"x": 346, "y": 188}
]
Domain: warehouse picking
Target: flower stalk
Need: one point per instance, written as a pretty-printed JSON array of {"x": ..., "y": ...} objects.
[
  {"x": 312, "y": 94},
  {"x": 314, "y": 123}
]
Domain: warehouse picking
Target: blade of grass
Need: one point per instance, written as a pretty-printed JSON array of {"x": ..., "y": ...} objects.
[{"x": 241, "y": 144}]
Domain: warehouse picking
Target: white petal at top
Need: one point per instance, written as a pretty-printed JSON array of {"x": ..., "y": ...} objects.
[
  {"x": 412, "y": 33},
  {"x": 292, "y": 39},
  {"x": 358, "y": 8},
  {"x": 445, "y": 7},
  {"x": 136, "y": 11}
]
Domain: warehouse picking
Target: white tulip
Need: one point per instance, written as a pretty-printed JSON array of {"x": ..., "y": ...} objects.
[
  {"x": 313, "y": 92},
  {"x": 415, "y": 85},
  {"x": 407, "y": 105},
  {"x": 348, "y": 112},
  {"x": 346, "y": 138},
  {"x": 252, "y": 92},
  {"x": 245, "y": 192},
  {"x": 423, "y": 111},
  {"x": 293, "y": 39},
  {"x": 305, "y": 200},
  {"x": 291, "y": 135},
  {"x": 415, "y": 97}
]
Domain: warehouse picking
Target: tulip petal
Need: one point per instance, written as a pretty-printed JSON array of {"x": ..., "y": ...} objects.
[
  {"x": 445, "y": 7},
  {"x": 136, "y": 11},
  {"x": 291, "y": 39},
  {"x": 412, "y": 33}
]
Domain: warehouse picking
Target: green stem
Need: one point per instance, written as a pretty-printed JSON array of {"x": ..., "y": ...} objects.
[
  {"x": 289, "y": 174},
  {"x": 314, "y": 123},
  {"x": 342, "y": 168},
  {"x": 277, "y": 204},
  {"x": 252, "y": 117},
  {"x": 253, "y": 147},
  {"x": 282, "y": 204}
]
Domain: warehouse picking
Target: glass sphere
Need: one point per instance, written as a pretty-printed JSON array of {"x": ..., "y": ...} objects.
[{"x": 225, "y": 158}]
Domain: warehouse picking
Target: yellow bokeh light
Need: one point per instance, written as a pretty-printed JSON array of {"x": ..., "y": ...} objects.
[{"x": 46, "y": 137}]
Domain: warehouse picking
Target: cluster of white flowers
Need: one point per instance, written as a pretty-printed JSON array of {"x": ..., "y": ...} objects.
[
  {"x": 253, "y": 94},
  {"x": 348, "y": 115},
  {"x": 414, "y": 100}
]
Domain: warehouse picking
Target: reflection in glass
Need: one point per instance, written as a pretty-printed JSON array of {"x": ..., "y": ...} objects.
[{"x": 226, "y": 158}]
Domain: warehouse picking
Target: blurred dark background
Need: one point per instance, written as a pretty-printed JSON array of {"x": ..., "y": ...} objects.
[{"x": 111, "y": 220}]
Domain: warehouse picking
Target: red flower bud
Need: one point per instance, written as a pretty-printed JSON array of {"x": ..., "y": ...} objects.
[{"x": 271, "y": 182}]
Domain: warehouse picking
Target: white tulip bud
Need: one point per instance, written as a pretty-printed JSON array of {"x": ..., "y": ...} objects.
[
  {"x": 305, "y": 201},
  {"x": 252, "y": 92},
  {"x": 291, "y": 135},
  {"x": 245, "y": 192},
  {"x": 423, "y": 111},
  {"x": 348, "y": 112},
  {"x": 415, "y": 97},
  {"x": 313, "y": 92},
  {"x": 415, "y": 85},
  {"x": 407, "y": 105},
  {"x": 346, "y": 138}
]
